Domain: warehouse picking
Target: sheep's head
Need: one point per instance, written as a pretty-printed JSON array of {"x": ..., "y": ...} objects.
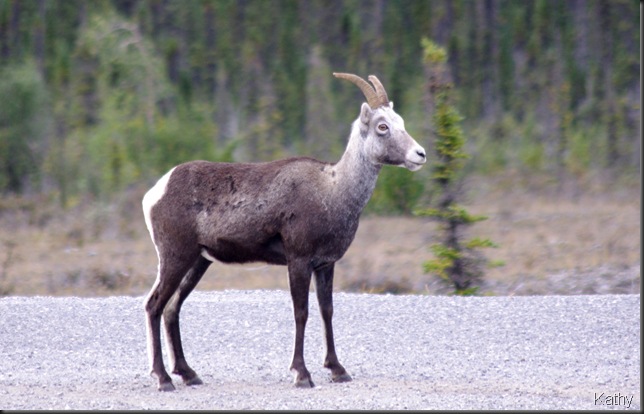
[{"x": 383, "y": 130}]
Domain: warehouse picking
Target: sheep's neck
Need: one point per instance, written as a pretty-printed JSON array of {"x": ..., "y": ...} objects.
[{"x": 356, "y": 176}]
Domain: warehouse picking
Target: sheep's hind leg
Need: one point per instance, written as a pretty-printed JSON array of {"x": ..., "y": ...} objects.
[
  {"x": 171, "y": 322},
  {"x": 168, "y": 281}
]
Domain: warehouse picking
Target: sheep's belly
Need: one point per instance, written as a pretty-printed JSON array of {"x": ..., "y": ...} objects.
[{"x": 229, "y": 251}]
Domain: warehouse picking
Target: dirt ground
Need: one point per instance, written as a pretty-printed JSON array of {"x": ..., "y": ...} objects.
[{"x": 550, "y": 244}]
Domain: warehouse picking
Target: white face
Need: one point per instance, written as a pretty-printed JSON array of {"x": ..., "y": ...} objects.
[{"x": 388, "y": 142}]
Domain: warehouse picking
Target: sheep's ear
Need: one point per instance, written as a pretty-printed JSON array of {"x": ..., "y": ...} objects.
[
  {"x": 391, "y": 104},
  {"x": 365, "y": 113}
]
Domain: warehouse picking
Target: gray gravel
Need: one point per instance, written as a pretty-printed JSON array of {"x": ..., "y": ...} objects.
[{"x": 404, "y": 352}]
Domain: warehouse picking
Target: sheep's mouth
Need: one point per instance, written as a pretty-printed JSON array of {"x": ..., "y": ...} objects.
[{"x": 414, "y": 166}]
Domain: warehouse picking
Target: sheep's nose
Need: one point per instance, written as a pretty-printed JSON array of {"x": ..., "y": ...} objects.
[{"x": 421, "y": 153}]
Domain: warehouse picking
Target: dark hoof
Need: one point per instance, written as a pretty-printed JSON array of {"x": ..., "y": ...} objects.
[
  {"x": 193, "y": 381},
  {"x": 166, "y": 386},
  {"x": 304, "y": 383},
  {"x": 344, "y": 377}
]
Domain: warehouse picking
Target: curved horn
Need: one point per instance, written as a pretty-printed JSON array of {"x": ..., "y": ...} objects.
[
  {"x": 369, "y": 92},
  {"x": 380, "y": 90}
]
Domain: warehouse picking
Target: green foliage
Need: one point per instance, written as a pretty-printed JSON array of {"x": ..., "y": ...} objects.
[
  {"x": 456, "y": 261},
  {"x": 450, "y": 147},
  {"x": 23, "y": 125},
  {"x": 443, "y": 261},
  {"x": 432, "y": 52},
  {"x": 125, "y": 135},
  {"x": 477, "y": 242},
  {"x": 450, "y": 213},
  {"x": 397, "y": 191},
  {"x": 132, "y": 86}
]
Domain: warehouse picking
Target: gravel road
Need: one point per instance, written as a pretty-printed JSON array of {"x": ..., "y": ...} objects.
[{"x": 404, "y": 352}]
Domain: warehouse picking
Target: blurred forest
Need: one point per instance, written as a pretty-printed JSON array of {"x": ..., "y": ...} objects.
[{"x": 98, "y": 96}]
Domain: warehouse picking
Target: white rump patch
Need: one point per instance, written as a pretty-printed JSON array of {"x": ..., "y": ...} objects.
[{"x": 152, "y": 197}]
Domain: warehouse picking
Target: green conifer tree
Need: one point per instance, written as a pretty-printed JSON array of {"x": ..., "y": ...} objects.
[{"x": 456, "y": 260}]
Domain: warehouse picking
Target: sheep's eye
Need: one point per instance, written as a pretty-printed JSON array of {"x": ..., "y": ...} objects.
[{"x": 383, "y": 127}]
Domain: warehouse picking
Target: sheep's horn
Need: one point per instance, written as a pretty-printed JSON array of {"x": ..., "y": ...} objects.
[
  {"x": 375, "y": 97},
  {"x": 380, "y": 90}
]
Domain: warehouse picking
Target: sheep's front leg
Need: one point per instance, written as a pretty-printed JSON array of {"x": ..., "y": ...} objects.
[
  {"x": 324, "y": 290},
  {"x": 299, "y": 277}
]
